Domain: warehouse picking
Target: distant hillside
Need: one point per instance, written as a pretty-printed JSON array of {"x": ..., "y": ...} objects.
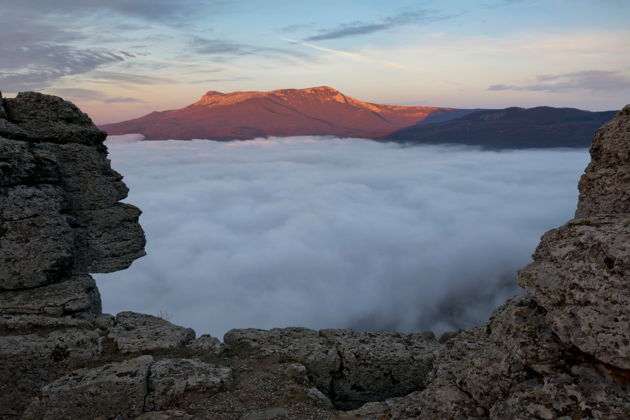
[
  {"x": 510, "y": 128},
  {"x": 288, "y": 112}
]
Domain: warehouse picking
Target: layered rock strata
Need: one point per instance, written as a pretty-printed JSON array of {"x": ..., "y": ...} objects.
[{"x": 560, "y": 351}]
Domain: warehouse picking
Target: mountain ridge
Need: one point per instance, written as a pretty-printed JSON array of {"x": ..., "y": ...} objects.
[
  {"x": 320, "y": 110},
  {"x": 512, "y": 127}
]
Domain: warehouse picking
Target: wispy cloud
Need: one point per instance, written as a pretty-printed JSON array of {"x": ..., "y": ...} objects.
[
  {"x": 93, "y": 95},
  {"x": 346, "y": 53},
  {"x": 35, "y": 67},
  {"x": 223, "y": 79},
  {"x": 225, "y": 47},
  {"x": 34, "y": 54},
  {"x": 592, "y": 80},
  {"x": 164, "y": 11},
  {"x": 363, "y": 57},
  {"x": 130, "y": 78},
  {"x": 355, "y": 28},
  {"x": 297, "y": 27}
]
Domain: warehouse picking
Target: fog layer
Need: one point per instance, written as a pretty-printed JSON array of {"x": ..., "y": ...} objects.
[{"x": 330, "y": 233}]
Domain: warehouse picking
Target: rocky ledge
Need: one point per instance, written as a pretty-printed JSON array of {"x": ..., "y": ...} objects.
[{"x": 560, "y": 351}]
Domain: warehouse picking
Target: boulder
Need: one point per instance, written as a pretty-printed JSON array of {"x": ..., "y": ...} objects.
[
  {"x": 109, "y": 391},
  {"x": 581, "y": 276},
  {"x": 76, "y": 295},
  {"x": 350, "y": 367},
  {"x": 171, "y": 378},
  {"x": 44, "y": 118},
  {"x": 376, "y": 366},
  {"x": 300, "y": 345},
  {"x": 207, "y": 343},
  {"x": 134, "y": 333}
]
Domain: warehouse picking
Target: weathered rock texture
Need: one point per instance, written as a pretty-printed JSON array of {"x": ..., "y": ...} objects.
[
  {"x": 59, "y": 210},
  {"x": 560, "y": 351},
  {"x": 60, "y": 219}
]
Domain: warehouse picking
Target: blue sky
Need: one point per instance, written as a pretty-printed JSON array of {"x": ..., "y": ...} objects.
[{"x": 120, "y": 59}]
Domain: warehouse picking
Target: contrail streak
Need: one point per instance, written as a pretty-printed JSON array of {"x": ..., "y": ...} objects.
[{"x": 362, "y": 57}]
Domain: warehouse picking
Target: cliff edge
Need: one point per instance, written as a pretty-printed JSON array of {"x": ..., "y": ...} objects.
[{"x": 560, "y": 351}]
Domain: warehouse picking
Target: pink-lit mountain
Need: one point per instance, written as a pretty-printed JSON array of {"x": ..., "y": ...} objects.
[{"x": 287, "y": 112}]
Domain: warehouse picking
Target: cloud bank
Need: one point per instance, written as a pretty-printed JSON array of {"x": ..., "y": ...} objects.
[
  {"x": 329, "y": 233},
  {"x": 593, "y": 80}
]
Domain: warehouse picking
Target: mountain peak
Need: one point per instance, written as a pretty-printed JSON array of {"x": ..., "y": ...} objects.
[
  {"x": 318, "y": 110},
  {"x": 322, "y": 89},
  {"x": 321, "y": 93}
]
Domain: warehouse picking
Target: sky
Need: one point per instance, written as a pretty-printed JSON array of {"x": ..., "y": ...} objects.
[
  {"x": 120, "y": 59},
  {"x": 330, "y": 233}
]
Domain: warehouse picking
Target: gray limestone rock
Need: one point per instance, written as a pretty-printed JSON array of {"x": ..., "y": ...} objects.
[
  {"x": 116, "y": 389},
  {"x": 31, "y": 359},
  {"x": 17, "y": 163},
  {"x": 605, "y": 185},
  {"x": 85, "y": 175},
  {"x": 24, "y": 202},
  {"x": 35, "y": 251},
  {"x": 516, "y": 367},
  {"x": 74, "y": 296},
  {"x": 171, "y": 378},
  {"x": 581, "y": 276},
  {"x": 134, "y": 332},
  {"x": 126, "y": 389},
  {"x": 16, "y": 324},
  {"x": 350, "y": 367},
  {"x": 3, "y": 113},
  {"x": 59, "y": 215},
  {"x": 300, "y": 345},
  {"x": 318, "y": 397},
  {"x": 38, "y": 117},
  {"x": 36, "y": 241},
  {"x": 207, "y": 343},
  {"x": 166, "y": 415},
  {"x": 376, "y": 366},
  {"x": 59, "y": 209},
  {"x": 110, "y": 239},
  {"x": 268, "y": 414}
]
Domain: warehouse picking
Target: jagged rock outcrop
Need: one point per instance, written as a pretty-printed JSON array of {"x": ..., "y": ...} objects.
[
  {"x": 135, "y": 333},
  {"x": 559, "y": 351},
  {"x": 59, "y": 199},
  {"x": 604, "y": 185},
  {"x": 60, "y": 219}
]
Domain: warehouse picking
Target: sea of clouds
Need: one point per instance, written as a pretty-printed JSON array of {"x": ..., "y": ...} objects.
[{"x": 333, "y": 233}]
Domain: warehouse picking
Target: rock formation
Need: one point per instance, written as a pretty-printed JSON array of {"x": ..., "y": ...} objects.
[{"x": 560, "y": 351}]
